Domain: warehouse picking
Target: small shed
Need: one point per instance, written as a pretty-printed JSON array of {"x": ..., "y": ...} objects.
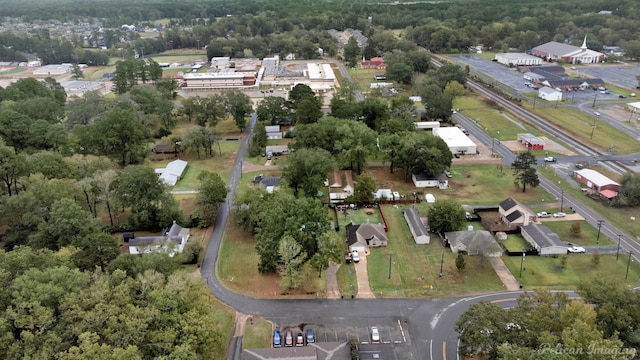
[
  {"x": 531, "y": 141},
  {"x": 430, "y": 198},
  {"x": 416, "y": 226},
  {"x": 427, "y": 180},
  {"x": 543, "y": 239}
]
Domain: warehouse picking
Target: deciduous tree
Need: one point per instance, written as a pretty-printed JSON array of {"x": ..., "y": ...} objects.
[
  {"x": 212, "y": 193},
  {"x": 446, "y": 215},
  {"x": 307, "y": 170},
  {"x": 523, "y": 170}
]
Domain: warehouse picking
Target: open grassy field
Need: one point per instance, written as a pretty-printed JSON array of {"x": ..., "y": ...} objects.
[
  {"x": 415, "y": 268},
  {"x": 549, "y": 272},
  {"x": 347, "y": 282}
]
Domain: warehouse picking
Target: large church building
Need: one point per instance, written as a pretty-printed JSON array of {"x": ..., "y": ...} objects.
[{"x": 554, "y": 51}]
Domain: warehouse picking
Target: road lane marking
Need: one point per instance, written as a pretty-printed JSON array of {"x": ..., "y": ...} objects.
[
  {"x": 444, "y": 350},
  {"x": 402, "y": 331}
]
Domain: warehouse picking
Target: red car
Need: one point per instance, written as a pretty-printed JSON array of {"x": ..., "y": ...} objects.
[
  {"x": 288, "y": 338},
  {"x": 300, "y": 340}
]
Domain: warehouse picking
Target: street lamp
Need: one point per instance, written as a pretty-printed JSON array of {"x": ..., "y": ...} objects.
[
  {"x": 522, "y": 261},
  {"x": 599, "y": 226},
  {"x": 441, "y": 264},
  {"x": 390, "y": 260},
  {"x": 561, "y": 198}
]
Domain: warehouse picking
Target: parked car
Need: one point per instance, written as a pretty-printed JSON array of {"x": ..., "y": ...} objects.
[
  {"x": 355, "y": 256},
  {"x": 447, "y": 173},
  {"x": 375, "y": 335},
  {"x": 311, "y": 338},
  {"x": 347, "y": 257},
  {"x": 288, "y": 338},
  {"x": 277, "y": 340},
  {"x": 559, "y": 215},
  {"x": 576, "y": 249},
  {"x": 543, "y": 214},
  {"x": 300, "y": 339},
  {"x": 550, "y": 159}
]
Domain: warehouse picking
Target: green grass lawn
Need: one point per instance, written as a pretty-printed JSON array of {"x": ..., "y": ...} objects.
[
  {"x": 580, "y": 126},
  {"x": 257, "y": 334},
  {"x": 415, "y": 268},
  {"x": 587, "y": 237},
  {"x": 515, "y": 243},
  {"x": 347, "y": 281},
  {"x": 548, "y": 272}
]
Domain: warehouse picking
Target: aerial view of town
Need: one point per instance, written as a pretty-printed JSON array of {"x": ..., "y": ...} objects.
[{"x": 320, "y": 180}]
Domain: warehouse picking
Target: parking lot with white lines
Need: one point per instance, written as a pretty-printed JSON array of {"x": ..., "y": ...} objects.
[{"x": 337, "y": 330}]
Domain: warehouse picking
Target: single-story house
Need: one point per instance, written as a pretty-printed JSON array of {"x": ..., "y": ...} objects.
[
  {"x": 477, "y": 242},
  {"x": 375, "y": 63},
  {"x": 360, "y": 237},
  {"x": 417, "y": 227},
  {"x": 532, "y": 142},
  {"x": 549, "y": 94},
  {"x": 171, "y": 174},
  {"x": 342, "y": 180},
  {"x": 598, "y": 182},
  {"x": 514, "y": 214},
  {"x": 543, "y": 239},
  {"x": 171, "y": 241},
  {"x": 273, "y": 132},
  {"x": 427, "y": 180},
  {"x": 269, "y": 183},
  {"x": 426, "y": 125},
  {"x": 277, "y": 150}
]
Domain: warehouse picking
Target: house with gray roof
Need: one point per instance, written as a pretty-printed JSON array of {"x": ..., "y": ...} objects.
[
  {"x": 171, "y": 174},
  {"x": 543, "y": 239},
  {"x": 417, "y": 227},
  {"x": 479, "y": 242},
  {"x": 171, "y": 240},
  {"x": 360, "y": 237}
]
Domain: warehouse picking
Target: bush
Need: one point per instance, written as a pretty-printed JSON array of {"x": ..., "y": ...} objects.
[{"x": 162, "y": 132}]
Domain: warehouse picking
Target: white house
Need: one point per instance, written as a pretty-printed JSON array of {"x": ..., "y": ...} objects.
[
  {"x": 171, "y": 241},
  {"x": 386, "y": 194},
  {"x": 549, "y": 94},
  {"x": 418, "y": 229},
  {"x": 273, "y": 132},
  {"x": 173, "y": 172},
  {"x": 426, "y": 180}
]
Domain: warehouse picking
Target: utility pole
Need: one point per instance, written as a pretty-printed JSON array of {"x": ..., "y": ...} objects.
[
  {"x": 390, "y": 260},
  {"x": 618, "y": 251},
  {"x": 628, "y": 263},
  {"x": 142, "y": 52},
  {"x": 599, "y": 226},
  {"x": 594, "y": 100},
  {"x": 441, "y": 264}
]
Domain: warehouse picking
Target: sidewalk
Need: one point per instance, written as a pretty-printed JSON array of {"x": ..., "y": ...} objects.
[
  {"x": 364, "y": 291},
  {"x": 333, "y": 292},
  {"x": 508, "y": 280}
]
